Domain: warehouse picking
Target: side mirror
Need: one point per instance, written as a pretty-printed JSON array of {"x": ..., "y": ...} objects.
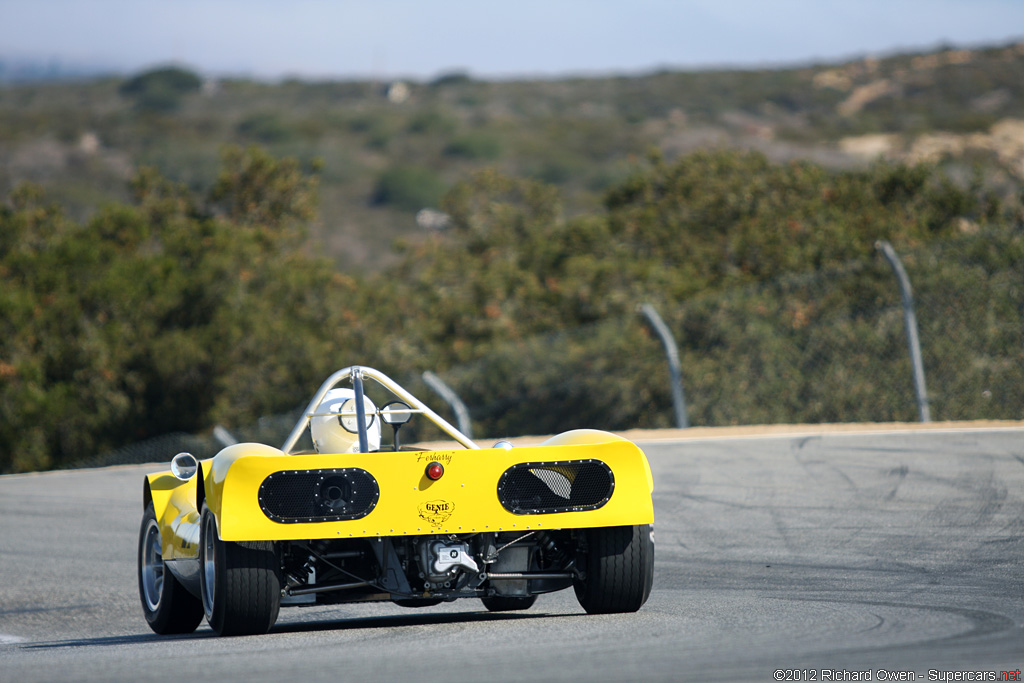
[
  {"x": 184, "y": 466},
  {"x": 396, "y": 413}
]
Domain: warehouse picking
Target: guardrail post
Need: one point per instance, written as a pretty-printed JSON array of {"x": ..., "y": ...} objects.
[
  {"x": 452, "y": 399},
  {"x": 910, "y": 322},
  {"x": 672, "y": 354},
  {"x": 224, "y": 437}
]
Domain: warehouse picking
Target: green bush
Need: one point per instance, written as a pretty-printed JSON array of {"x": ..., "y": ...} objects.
[
  {"x": 432, "y": 122},
  {"x": 265, "y": 127},
  {"x": 453, "y": 78},
  {"x": 408, "y": 188},
  {"x": 475, "y": 146},
  {"x": 161, "y": 89}
]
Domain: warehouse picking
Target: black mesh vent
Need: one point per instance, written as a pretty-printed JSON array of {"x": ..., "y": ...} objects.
[
  {"x": 538, "y": 488},
  {"x": 318, "y": 495}
]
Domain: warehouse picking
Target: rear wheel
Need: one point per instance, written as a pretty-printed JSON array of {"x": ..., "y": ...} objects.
[
  {"x": 619, "y": 567},
  {"x": 504, "y": 603},
  {"x": 168, "y": 606},
  {"x": 241, "y": 582}
]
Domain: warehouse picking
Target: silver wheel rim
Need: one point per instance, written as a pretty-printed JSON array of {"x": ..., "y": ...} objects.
[
  {"x": 209, "y": 567},
  {"x": 152, "y": 567}
]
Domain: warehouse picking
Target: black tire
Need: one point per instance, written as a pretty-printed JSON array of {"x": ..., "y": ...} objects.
[
  {"x": 506, "y": 603},
  {"x": 240, "y": 582},
  {"x": 167, "y": 604},
  {"x": 619, "y": 567}
]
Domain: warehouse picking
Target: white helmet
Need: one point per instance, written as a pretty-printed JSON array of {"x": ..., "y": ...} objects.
[{"x": 339, "y": 433}]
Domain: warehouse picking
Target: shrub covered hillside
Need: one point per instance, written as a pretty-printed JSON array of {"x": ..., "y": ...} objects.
[
  {"x": 391, "y": 149},
  {"x": 183, "y": 309}
]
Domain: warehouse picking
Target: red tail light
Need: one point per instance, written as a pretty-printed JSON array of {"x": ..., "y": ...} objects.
[{"x": 434, "y": 471}]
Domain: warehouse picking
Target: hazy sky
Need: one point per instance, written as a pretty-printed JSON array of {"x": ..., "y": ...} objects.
[{"x": 423, "y": 38}]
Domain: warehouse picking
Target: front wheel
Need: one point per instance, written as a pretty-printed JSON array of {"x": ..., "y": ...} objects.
[
  {"x": 168, "y": 606},
  {"x": 241, "y": 582},
  {"x": 619, "y": 569}
]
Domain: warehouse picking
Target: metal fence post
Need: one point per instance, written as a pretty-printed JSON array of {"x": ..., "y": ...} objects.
[
  {"x": 910, "y": 321},
  {"x": 452, "y": 399},
  {"x": 672, "y": 354},
  {"x": 224, "y": 437}
]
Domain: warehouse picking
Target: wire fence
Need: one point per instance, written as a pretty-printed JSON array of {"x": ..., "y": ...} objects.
[{"x": 828, "y": 346}]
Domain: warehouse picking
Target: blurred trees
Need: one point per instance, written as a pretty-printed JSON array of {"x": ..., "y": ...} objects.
[
  {"x": 766, "y": 272},
  {"x": 511, "y": 265},
  {"x": 162, "y": 89},
  {"x": 139, "y": 322},
  {"x": 182, "y": 309}
]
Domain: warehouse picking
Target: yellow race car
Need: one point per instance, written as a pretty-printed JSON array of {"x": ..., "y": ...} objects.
[{"x": 354, "y": 519}]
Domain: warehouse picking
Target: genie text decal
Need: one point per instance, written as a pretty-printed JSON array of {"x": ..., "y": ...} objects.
[{"x": 436, "y": 512}]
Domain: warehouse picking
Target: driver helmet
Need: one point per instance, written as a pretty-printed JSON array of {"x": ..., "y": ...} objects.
[{"x": 334, "y": 433}]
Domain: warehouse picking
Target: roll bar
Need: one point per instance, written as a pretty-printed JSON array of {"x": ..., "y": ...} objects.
[{"x": 358, "y": 374}]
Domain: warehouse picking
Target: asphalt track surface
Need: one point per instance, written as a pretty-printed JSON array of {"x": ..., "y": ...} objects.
[{"x": 830, "y": 555}]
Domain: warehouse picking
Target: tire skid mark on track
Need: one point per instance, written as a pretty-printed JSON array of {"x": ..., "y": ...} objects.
[
  {"x": 900, "y": 473},
  {"x": 984, "y": 622},
  {"x": 878, "y": 626}
]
